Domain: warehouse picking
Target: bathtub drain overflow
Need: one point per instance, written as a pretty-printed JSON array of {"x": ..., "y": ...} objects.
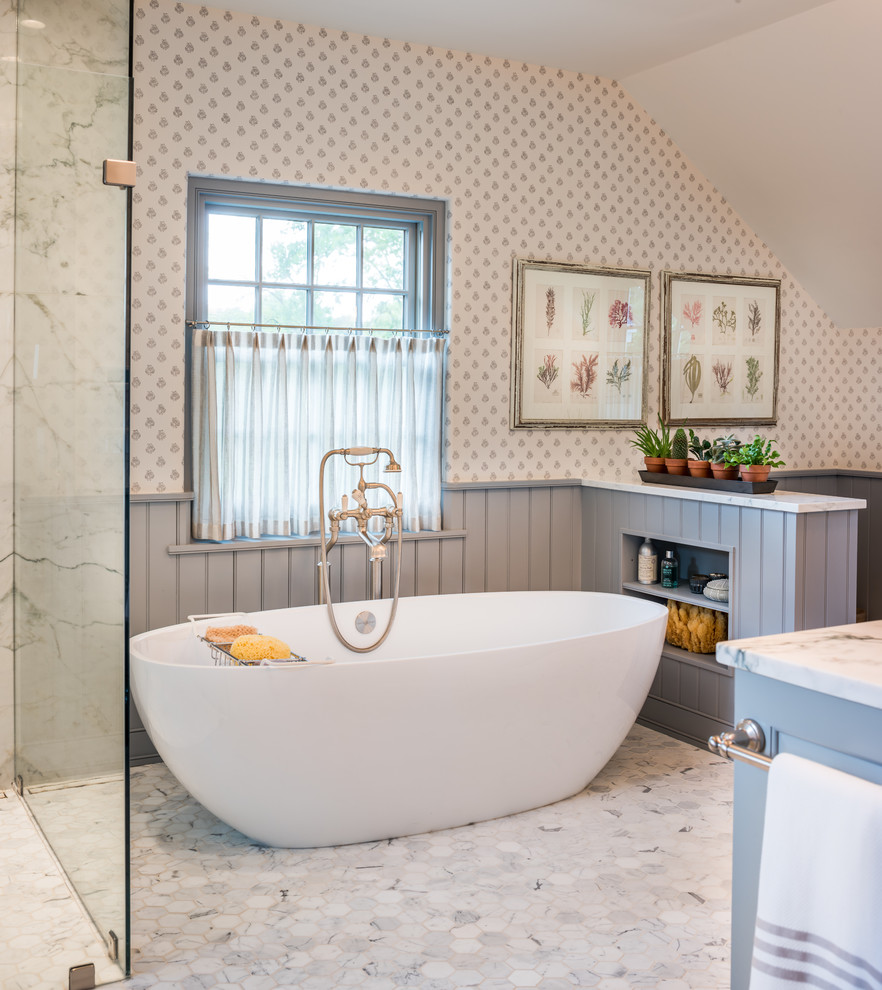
[{"x": 365, "y": 622}]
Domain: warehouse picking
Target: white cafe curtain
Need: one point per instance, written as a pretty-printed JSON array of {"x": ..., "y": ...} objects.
[{"x": 268, "y": 405}]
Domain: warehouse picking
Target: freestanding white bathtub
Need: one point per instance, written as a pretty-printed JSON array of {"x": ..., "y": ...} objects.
[{"x": 476, "y": 706}]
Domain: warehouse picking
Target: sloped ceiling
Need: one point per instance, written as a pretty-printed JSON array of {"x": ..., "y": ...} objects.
[
  {"x": 785, "y": 121},
  {"x": 777, "y": 102}
]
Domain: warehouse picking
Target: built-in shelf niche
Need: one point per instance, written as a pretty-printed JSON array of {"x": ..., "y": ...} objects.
[{"x": 695, "y": 558}]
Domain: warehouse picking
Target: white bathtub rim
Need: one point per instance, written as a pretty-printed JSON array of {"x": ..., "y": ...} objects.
[{"x": 654, "y": 609}]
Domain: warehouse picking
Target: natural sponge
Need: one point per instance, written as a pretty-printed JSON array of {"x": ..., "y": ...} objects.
[
  {"x": 694, "y": 628},
  {"x": 253, "y": 649},
  {"x": 226, "y": 634}
]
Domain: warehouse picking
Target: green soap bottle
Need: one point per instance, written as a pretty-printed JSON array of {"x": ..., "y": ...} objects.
[{"x": 670, "y": 570}]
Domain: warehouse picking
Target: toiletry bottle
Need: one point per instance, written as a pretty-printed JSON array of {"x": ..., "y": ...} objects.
[
  {"x": 647, "y": 563},
  {"x": 670, "y": 570}
]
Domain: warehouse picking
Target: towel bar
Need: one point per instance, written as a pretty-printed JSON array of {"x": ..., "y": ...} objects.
[{"x": 745, "y": 744}]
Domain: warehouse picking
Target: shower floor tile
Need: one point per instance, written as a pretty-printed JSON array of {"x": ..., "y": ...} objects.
[
  {"x": 43, "y": 930},
  {"x": 624, "y": 885}
]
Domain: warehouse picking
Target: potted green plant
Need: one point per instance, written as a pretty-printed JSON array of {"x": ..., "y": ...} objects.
[
  {"x": 755, "y": 459},
  {"x": 699, "y": 463},
  {"x": 675, "y": 463},
  {"x": 720, "y": 449},
  {"x": 655, "y": 445}
]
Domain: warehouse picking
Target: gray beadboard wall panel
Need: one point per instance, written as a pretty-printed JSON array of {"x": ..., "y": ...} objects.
[
  {"x": 495, "y": 537},
  {"x": 869, "y": 538},
  {"x": 519, "y": 548},
  {"x": 566, "y": 567},
  {"x": 518, "y": 536},
  {"x": 248, "y": 568},
  {"x": 474, "y": 522},
  {"x": 162, "y": 569},
  {"x": 138, "y": 569},
  {"x": 868, "y": 528},
  {"x": 852, "y": 484},
  {"x": 451, "y": 564}
]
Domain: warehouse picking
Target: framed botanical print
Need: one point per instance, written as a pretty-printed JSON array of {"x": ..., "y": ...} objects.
[
  {"x": 720, "y": 344},
  {"x": 579, "y": 351}
]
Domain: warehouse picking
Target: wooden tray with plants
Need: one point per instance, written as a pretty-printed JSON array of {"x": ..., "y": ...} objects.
[{"x": 710, "y": 484}]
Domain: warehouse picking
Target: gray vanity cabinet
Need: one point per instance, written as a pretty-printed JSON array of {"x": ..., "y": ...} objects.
[{"x": 839, "y": 733}]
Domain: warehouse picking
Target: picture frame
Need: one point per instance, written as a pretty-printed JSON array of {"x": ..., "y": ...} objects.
[
  {"x": 720, "y": 347},
  {"x": 579, "y": 346}
]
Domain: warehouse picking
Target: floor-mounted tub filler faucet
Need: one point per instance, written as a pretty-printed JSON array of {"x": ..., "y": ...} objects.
[{"x": 362, "y": 514}]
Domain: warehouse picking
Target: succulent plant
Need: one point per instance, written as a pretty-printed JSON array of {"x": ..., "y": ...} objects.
[
  {"x": 680, "y": 445},
  {"x": 722, "y": 447},
  {"x": 701, "y": 450}
]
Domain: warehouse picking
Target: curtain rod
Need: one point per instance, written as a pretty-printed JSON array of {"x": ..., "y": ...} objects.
[{"x": 205, "y": 324}]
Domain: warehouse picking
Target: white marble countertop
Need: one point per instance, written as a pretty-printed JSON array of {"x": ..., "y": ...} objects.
[
  {"x": 777, "y": 501},
  {"x": 842, "y": 661}
]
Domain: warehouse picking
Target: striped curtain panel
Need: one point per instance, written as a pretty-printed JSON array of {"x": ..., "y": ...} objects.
[{"x": 268, "y": 405}]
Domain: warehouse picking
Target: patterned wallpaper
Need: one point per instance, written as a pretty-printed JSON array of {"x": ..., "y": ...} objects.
[
  {"x": 534, "y": 162},
  {"x": 857, "y": 417}
]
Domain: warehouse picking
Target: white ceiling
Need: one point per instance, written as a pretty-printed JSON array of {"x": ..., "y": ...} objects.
[
  {"x": 785, "y": 124},
  {"x": 612, "y": 38},
  {"x": 777, "y": 102}
]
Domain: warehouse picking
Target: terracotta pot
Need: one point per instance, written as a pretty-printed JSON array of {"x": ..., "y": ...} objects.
[
  {"x": 725, "y": 472},
  {"x": 655, "y": 464},
  {"x": 699, "y": 469},
  {"x": 676, "y": 465},
  {"x": 755, "y": 472}
]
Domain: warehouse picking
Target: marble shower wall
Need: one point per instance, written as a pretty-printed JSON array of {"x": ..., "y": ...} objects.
[
  {"x": 533, "y": 162},
  {"x": 70, "y": 321},
  {"x": 7, "y": 286}
]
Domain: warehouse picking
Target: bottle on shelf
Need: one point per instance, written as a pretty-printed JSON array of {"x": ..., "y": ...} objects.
[
  {"x": 670, "y": 570},
  {"x": 647, "y": 563}
]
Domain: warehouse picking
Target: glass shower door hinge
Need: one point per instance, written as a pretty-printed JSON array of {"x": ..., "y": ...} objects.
[
  {"x": 118, "y": 173},
  {"x": 18, "y": 784},
  {"x": 81, "y": 977},
  {"x": 113, "y": 945}
]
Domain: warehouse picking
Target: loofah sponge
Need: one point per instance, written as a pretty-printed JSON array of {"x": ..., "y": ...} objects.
[
  {"x": 226, "y": 634},
  {"x": 253, "y": 649},
  {"x": 694, "y": 628}
]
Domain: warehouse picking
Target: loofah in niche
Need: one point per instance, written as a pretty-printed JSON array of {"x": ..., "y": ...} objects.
[{"x": 694, "y": 628}]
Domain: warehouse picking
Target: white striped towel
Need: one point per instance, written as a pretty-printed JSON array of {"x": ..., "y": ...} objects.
[{"x": 819, "y": 915}]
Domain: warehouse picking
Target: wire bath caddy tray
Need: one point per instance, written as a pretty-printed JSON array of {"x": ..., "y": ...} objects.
[{"x": 222, "y": 657}]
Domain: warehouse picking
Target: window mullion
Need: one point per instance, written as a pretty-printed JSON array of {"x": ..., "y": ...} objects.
[
  {"x": 258, "y": 269},
  {"x": 359, "y": 275},
  {"x": 202, "y": 261},
  {"x": 310, "y": 273},
  {"x": 412, "y": 316}
]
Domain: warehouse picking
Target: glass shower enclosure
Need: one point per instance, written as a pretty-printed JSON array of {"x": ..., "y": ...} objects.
[{"x": 70, "y": 449}]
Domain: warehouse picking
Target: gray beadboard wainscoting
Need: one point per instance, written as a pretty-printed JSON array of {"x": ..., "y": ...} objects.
[
  {"x": 852, "y": 484},
  {"x": 496, "y": 536},
  {"x": 787, "y": 571}
]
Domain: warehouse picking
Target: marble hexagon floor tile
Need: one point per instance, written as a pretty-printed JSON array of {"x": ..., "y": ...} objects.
[
  {"x": 625, "y": 885},
  {"x": 43, "y": 931}
]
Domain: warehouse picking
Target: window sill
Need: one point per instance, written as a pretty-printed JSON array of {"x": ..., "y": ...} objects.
[{"x": 286, "y": 543}]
